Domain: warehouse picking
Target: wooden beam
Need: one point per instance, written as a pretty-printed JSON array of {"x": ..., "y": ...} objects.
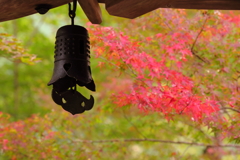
[
  {"x": 206, "y": 4},
  {"x": 92, "y": 10},
  {"x": 13, "y": 9},
  {"x": 101, "y": 1},
  {"x": 134, "y": 8}
]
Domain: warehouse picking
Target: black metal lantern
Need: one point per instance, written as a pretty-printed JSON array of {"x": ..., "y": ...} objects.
[{"x": 72, "y": 67}]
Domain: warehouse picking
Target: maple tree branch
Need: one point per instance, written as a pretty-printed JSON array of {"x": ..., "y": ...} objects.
[
  {"x": 168, "y": 25},
  {"x": 186, "y": 106},
  {"x": 129, "y": 121},
  {"x": 164, "y": 22},
  {"x": 197, "y": 128},
  {"x": 235, "y": 110},
  {"x": 195, "y": 41},
  {"x": 222, "y": 106},
  {"x": 154, "y": 140}
]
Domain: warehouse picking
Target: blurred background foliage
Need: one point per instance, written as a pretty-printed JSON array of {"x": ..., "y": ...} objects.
[{"x": 34, "y": 127}]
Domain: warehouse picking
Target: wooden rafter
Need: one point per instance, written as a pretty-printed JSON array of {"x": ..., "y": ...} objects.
[
  {"x": 206, "y": 4},
  {"x": 13, "y": 9},
  {"x": 135, "y": 8},
  {"x": 92, "y": 10}
]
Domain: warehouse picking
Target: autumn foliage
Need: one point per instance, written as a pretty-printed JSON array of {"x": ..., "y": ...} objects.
[{"x": 182, "y": 65}]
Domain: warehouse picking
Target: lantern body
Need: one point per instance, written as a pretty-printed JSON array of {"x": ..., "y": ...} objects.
[
  {"x": 72, "y": 55},
  {"x": 72, "y": 68}
]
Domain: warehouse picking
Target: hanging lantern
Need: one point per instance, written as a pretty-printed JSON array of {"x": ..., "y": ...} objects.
[{"x": 72, "y": 67}]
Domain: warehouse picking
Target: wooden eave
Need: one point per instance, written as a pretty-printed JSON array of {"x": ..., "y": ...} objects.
[{"x": 13, "y": 9}]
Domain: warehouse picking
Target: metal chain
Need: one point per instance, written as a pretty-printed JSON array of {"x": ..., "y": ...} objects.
[{"x": 72, "y": 12}]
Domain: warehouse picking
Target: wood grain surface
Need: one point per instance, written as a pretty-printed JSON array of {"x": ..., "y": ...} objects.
[
  {"x": 92, "y": 10},
  {"x": 207, "y": 4},
  {"x": 135, "y": 8},
  {"x": 13, "y": 9}
]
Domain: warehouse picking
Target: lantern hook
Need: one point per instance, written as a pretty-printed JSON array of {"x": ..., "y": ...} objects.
[{"x": 72, "y": 11}]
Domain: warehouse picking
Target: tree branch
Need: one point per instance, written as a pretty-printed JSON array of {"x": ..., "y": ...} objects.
[
  {"x": 235, "y": 110},
  {"x": 195, "y": 41},
  {"x": 154, "y": 140},
  {"x": 140, "y": 133}
]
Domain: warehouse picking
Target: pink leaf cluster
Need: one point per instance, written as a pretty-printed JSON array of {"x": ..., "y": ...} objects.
[{"x": 156, "y": 87}]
